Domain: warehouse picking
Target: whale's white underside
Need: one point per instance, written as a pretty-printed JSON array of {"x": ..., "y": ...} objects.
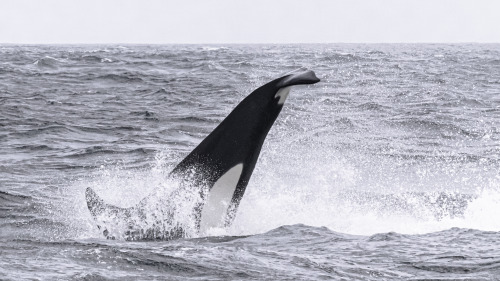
[{"x": 218, "y": 199}]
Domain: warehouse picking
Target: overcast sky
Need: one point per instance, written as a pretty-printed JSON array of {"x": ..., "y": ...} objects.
[{"x": 248, "y": 21}]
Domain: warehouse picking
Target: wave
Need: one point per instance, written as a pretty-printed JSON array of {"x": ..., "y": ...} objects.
[
  {"x": 126, "y": 77},
  {"x": 286, "y": 253},
  {"x": 100, "y": 150},
  {"x": 373, "y": 106},
  {"x": 210, "y": 48},
  {"x": 443, "y": 129},
  {"x": 10, "y": 199},
  {"x": 161, "y": 91},
  {"x": 48, "y": 62},
  {"x": 35, "y": 147},
  {"x": 95, "y": 59},
  {"x": 148, "y": 115},
  {"x": 50, "y": 129}
]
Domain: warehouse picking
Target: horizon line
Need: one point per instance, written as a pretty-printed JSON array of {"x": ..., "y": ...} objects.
[{"x": 248, "y": 43}]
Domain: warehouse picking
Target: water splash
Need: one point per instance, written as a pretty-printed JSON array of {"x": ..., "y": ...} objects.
[{"x": 326, "y": 194}]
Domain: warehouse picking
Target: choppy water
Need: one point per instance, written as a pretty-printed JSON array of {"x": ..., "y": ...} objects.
[{"x": 389, "y": 169}]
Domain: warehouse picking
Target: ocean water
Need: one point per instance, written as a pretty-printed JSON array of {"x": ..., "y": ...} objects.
[{"x": 388, "y": 169}]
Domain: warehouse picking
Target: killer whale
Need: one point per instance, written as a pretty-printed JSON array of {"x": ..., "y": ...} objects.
[{"x": 220, "y": 167}]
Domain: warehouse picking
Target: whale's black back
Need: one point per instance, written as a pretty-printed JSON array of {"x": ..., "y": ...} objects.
[{"x": 240, "y": 136}]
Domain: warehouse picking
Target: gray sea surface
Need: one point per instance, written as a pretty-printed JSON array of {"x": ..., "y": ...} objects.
[{"x": 388, "y": 169}]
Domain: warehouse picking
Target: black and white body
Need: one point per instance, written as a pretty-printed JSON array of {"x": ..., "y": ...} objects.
[{"x": 222, "y": 164}]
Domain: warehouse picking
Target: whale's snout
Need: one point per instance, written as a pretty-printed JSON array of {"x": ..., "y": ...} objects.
[{"x": 301, "y": 76}]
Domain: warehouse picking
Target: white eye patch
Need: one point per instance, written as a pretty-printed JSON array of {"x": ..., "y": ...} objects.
[{"x": 283, "y": 94}]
